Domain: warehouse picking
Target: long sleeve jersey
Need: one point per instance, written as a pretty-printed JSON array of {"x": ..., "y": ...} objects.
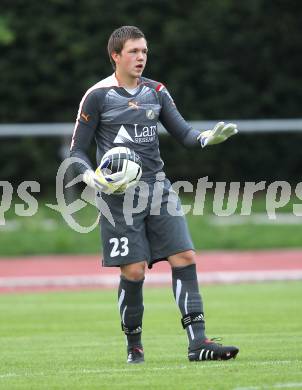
[{"x": 114, "y": 117}]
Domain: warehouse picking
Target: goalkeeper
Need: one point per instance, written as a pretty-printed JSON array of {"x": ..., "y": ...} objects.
[{"x": 123, "y": 110}]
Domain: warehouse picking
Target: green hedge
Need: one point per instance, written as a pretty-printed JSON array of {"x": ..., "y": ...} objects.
[
  {"x": 219, "y": 58},
  {"x": 249, "y": 157}
]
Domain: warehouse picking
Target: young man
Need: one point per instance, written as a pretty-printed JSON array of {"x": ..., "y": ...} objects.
[{"x": 123, "y": 110}]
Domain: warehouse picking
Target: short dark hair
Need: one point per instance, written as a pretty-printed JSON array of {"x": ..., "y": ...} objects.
[{"x": 118, "y": 38}]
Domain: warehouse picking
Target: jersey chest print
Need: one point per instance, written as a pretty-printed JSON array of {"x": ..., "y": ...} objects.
[{"x": 132, "y": 119}]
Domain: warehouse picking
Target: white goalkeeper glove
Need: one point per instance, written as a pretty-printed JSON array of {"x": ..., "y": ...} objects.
[
  {"x": 220, "y": 133},
  {"x": 97, "y": 181}
]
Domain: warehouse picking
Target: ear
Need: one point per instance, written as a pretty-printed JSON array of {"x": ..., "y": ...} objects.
[{"x": 115, "y": 56}]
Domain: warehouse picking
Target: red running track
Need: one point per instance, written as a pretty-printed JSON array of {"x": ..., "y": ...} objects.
[{"x": 76, "y": 272}]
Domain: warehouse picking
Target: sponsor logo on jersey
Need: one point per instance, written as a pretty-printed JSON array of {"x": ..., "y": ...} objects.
[
  {"x": 141, "y": 134},
  {"x": 84, "y": 116},
  {"x": 150, "y": 114},
  {"x": 133, "y": 104},
  {"x": 122, "y": 136},
  {"x": 144, "y": 134}
]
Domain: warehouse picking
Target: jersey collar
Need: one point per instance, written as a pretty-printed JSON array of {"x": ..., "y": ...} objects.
[{"x": 116, "y": 81}]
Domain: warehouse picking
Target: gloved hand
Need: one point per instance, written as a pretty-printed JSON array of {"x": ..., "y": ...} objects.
[
  {"x": 97, "y": 181},
  {"x": 220, "y": 133}
]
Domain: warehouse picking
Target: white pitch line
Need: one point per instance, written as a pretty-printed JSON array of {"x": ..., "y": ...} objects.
[
  {"x": 255, "y": 219},
  {"x": 289, "y": 385},
  {"x": 9, "y": 375},
  {"x": 212, "y": 365},
  {"x": 151, "y": 279},
  {"x": 92, "y": 371}
]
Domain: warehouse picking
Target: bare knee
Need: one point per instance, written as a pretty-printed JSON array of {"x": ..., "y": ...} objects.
[
  {"x": 182, "y": 259},
  {"x": 135, "y": 271}
]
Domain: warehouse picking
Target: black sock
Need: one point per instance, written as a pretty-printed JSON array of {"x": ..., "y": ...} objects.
[
  {"x": 130, "y": 300},
  {"x": 188, "y": 299}
]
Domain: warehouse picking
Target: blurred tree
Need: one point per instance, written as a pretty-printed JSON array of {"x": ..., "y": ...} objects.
[
  {"x": 6, "y": 34},
  {"x": 220, "y": 59}
]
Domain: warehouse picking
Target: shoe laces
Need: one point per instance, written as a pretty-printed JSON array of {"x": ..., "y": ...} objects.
[
  {"x": 214, "y": 340},
  {"x": 136, "y": 349}
]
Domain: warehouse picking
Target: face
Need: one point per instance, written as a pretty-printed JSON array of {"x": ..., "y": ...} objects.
[{"x": 132, "y": 60}]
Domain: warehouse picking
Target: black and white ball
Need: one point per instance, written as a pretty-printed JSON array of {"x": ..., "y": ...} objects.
[{"x": 121, "y": 166}]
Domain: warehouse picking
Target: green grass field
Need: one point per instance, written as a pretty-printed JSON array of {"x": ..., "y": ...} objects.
[
  {"x": 47, "y": 232},
  {"x": 72, "y": 340}
]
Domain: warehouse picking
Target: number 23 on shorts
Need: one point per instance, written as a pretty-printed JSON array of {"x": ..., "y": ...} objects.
[{"x": 120, "y": 246}]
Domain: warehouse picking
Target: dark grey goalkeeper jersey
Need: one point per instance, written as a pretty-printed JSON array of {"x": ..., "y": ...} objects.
[{"x": 115, "y": 117}]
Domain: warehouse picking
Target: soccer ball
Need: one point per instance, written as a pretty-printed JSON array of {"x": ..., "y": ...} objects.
[{"x": 121, "y": 167}]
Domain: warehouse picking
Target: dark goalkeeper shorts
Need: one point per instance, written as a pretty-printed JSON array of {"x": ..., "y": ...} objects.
[{"x": 150, "y": 229}]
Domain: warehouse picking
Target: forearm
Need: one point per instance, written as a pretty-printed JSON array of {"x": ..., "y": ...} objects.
[
  {"x": 178, "y": 127},
  {"x": 81, "y": 167},
  {"x": 191, "y": 139},
  {"x": 184, "y": 133}
]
